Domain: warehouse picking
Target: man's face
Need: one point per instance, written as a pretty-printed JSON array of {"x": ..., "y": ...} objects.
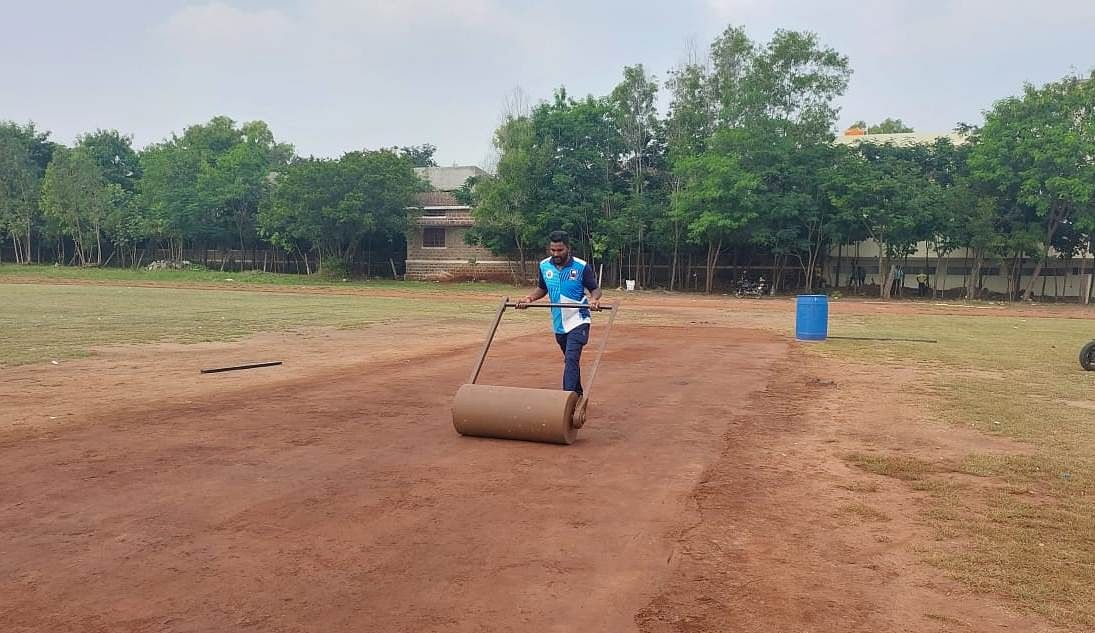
[{"x": 560, "y": 253}]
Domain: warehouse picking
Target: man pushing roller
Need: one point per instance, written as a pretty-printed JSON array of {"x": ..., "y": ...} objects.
[{"x": 565, "y": 279}]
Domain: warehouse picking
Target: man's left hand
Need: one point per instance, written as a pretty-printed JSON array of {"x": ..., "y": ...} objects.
[{"x": 595, "y": 304}]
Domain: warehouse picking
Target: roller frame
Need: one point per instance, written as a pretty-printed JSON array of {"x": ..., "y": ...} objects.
[{"x": 538, "y": 425}]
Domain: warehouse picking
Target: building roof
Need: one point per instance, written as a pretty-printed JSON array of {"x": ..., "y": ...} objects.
[
  {"x": 437, "y": 199},
  {"x": 448, "y": 178},
  {"x": 904, "y": 139}
]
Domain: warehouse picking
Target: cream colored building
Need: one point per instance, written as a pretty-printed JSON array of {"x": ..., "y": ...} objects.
[{"x": 1059, "y": 278}]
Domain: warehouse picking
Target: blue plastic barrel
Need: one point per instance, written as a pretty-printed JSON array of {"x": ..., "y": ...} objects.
[{"x": 812, "y": 317}]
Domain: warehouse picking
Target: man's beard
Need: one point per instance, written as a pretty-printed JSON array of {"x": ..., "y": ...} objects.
[{"x": 558, "y": 260}]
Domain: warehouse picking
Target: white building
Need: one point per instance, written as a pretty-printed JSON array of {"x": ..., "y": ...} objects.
[{"x": 1058, "y": 278}]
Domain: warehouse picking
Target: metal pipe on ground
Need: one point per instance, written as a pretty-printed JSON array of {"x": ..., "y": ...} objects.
[{"x": 217, "y": 370}]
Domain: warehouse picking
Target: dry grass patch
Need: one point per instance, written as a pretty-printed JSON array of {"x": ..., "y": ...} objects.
[
  {"x": 896, "y": 466},
  {"x": 863, "y": 512}
]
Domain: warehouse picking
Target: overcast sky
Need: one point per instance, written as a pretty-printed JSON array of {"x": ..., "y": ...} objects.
[{"x": 331, "y": 76}]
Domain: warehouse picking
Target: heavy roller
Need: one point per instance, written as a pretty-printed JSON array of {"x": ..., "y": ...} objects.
[{"x": 519, "y": 413}]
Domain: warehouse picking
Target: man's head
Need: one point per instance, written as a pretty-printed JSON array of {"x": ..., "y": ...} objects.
[{"x": 559, "y": 247}]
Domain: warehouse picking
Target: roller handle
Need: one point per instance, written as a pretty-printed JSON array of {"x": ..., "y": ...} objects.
[
  {"x": 557, "y": 305},
  {"x": 579, "y": 418},
  {"x": 490, "y": 337},
  {"x": 580, "y": 409}
]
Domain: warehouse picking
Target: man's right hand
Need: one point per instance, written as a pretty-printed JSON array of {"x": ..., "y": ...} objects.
[{"x": 523, "y": 303}]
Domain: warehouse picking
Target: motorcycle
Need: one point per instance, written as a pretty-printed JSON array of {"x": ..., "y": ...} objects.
[{"x": 746, "y": 288}]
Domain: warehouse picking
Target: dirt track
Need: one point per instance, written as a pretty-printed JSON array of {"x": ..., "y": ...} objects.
[{"x": 348, "y": 503}]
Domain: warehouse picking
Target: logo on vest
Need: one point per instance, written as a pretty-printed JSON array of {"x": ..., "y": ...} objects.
[
  {"x": 548, "y": 274},
  {"x": 573, "y": 275}
]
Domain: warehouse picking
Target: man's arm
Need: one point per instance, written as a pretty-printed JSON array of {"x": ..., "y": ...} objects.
[
  {"x": 589, "y": 280},
  {"x": 539, "y": 293}
]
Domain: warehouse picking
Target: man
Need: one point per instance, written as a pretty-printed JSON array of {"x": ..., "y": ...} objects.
[
  {"x": 565, "y": 279},
  {"x": 898, "y": 281},
  {"x": 922, "y": 284}
]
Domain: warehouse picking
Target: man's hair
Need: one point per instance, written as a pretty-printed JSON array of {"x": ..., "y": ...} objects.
[{"x": 559, "y": 236}]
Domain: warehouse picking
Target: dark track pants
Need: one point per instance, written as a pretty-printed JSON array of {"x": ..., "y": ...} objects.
[{"x": 572, "y": 343}]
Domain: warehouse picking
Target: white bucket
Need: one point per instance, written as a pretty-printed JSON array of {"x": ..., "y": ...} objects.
[{"x": 630, "y": 284}]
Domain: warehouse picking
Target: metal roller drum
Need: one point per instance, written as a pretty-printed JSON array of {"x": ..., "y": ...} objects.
[{"x": 515, "y": 413}]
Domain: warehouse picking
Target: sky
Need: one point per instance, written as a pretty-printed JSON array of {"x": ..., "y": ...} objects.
[{"x": 331, "y": 76}]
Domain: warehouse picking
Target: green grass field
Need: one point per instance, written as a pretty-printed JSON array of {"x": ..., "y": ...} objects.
[
  {"x": 206, "y": 277},
  {"x": 42, "y": 322},
  {"x": 1027, "y": 520}
]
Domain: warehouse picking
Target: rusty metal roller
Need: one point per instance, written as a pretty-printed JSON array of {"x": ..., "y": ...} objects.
[
  {"x": 519, "y": 413},
  {"x": 515, "y": 413}
]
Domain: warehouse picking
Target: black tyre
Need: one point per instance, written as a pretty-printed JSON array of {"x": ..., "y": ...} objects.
[{"x": 1087, "y": 356}]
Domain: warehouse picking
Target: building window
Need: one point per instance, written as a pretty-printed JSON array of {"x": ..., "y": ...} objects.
[
  {"x": 433, "y": 238},
  {"x": 433, "y": 213}
]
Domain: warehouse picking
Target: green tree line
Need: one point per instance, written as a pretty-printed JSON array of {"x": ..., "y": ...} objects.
[
  {"x": 744, "y": 163},
  {"x": 219, "y": 184}
]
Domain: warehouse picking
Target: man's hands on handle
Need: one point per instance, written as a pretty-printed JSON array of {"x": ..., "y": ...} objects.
[
  {"x": 539, "y": 293},
  {"x": 523, "y": 303}
]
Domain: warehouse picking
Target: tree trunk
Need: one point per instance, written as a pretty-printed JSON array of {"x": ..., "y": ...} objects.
[
  {"x": 1013, "y": 282},
  {"x": 779, "y": 262},
  {"x": 1028, "y": 292},
  {"x": 712, "y": 261},
  {"x": 839, "y": 261},
  {"x": 673, "y": 266},
  {"x": 884, "y": 280},
  {"x": 521, "y": 254},
  {"x": 1056, "y": 217},
  {"x": 939, "y": 266},
  {"x": 673, "y": 270}
]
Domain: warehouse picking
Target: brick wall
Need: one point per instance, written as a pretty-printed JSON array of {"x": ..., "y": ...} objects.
[
  {"x": 462, "y": 270},
  {"x": 455, "y": 248},
  {"x": 454, "y": 260}
]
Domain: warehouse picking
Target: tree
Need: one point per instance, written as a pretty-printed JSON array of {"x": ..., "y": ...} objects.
[
  {"x": 206, "y": 185},
  {"x": 18, "y": 194},
  {"x": 113, "y": 154},
  {"x": 125, "y": 222},
  {"x": 796, "y": 219},
  {"x": 886, "y": 190},
  {"x": 420, "y": 155},
  {"x": 633, "y": 111},
  {"x": 1035, "y": 150},
  {"x": 168, "y": 192},
  {"x": 716, "y": 197},
  {"x": 234, "y": 182},
  {"x": 24, "y": 154},
  {"x": 787, "y": 86},
  {"x": 76, "y": 197},
  {"x": 581, "y": 189},
  {"x": 888, "y": 126},
  {"x": 689, "y": 125},
  {"x": 332, "y": 206},
  {"x": 503, "y": 213},
  {"x": 779, "y": 97}
]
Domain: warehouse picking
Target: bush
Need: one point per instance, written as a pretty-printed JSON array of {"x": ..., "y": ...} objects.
[{"x": 334, "y": 268}]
